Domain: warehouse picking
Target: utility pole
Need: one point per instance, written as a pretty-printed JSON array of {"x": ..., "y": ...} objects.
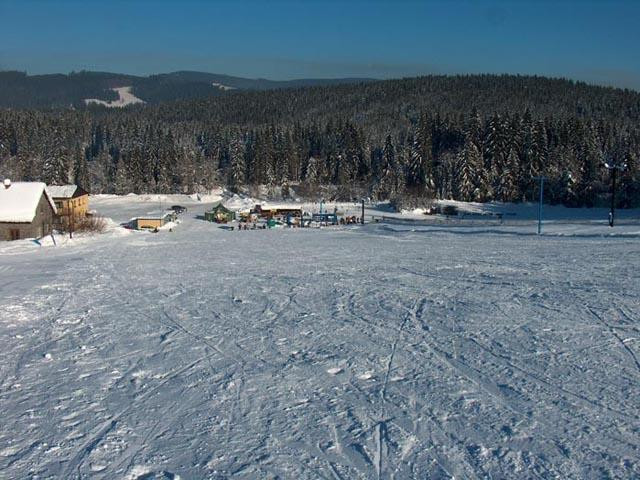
[
  {"x": 363, "y": 211},
  {"x": 614, "y": 168},
  {"x": 541, "y": 178}
]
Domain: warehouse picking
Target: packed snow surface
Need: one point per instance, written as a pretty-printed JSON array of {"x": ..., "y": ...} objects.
[
  {"x": 125, "y": 97},
  {"x": 376, "y": 351}
]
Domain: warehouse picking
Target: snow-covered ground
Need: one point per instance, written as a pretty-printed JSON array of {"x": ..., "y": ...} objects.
[
  {"x": 222, "y": 87},
  {"x": 125, "y": 98},
  {"x": 377, "y": 351}
]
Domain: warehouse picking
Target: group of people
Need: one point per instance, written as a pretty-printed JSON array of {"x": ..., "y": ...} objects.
[
  {"x": 251, "y": 226},
  {"x": 349, "y": 220}
]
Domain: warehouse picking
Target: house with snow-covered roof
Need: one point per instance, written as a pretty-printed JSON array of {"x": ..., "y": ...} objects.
[
  {"x": 26, "y": 210},
  {"x": 72, "y": 202}
]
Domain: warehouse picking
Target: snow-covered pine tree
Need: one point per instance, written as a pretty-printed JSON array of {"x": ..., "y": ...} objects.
[
  {"x": 508, "y": 179},
  {"x": 123, "y": 183},
  {"x": 528, "y": 170},
  {"x": 416, "y": 168},
  {"x": 468, "y": 168},
  {"x": 311, "y": 175},
  {"x": 55, "y": 169},
  {"x": 101, "y": 173},
  {"x": 187, "y": 169},
  {"x": 139, "y": 174},
  {"x": 5, "y": 140},
  {"x": 387, "y": 182},
  {"x": 264, "y": 157},
  {"x": 237, "y": 158},
  {"x": 630, "y": 178},
  {"x": 590, "y": 158},
  {"x": 283, "y": 156},
  {"x": 295, "y": 164},
  {"x": 496, "y": 151},
  {"x": 539, "y": 153},
  {"x": 165, "y": 164},
  {"x": 81, "y": 169}
]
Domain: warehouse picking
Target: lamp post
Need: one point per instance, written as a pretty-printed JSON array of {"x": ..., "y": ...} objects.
[
  {"x": 614, "y": 168},
  {"x": 542, "y": 179}
]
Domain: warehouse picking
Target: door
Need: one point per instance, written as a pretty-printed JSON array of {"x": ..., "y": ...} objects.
[{"x": 14, "y": 234}]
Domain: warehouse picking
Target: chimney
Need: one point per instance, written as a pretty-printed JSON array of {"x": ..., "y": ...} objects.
[{"x": 7, "y": 183}]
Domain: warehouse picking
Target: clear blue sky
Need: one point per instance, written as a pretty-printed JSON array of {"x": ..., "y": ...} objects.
[{"x": 596, "y": 41}]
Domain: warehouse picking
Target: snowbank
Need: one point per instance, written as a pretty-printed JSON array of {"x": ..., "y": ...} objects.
[{"x": 62, "y": 240}]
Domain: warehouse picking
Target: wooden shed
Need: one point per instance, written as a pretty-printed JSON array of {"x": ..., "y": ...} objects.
[
  {"x": 152, "y": 222},
  {"x": 219, "y": 214}
]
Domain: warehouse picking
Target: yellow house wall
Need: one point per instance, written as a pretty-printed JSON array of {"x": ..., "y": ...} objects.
[
  {"x": 149, "y": 223},
  {"x": 77, "y": 207}
]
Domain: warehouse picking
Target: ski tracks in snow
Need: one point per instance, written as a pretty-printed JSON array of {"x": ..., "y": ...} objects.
[
  {"x": 632, "y": 356},
  {"x": 212, "y": 355}
]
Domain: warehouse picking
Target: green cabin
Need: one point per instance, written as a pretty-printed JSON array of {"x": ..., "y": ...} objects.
[{"x": 219, "y": 214}]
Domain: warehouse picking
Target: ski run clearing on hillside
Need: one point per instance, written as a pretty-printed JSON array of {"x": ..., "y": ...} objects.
[
  {"x": 125, "y": 98},
  {"x": 222, "y": 87},
  {"x": 378, "y": 351}
]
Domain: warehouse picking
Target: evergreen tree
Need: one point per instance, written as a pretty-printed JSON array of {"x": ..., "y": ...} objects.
[
  {"x": 468, "y": 167},
  {"x": 237, "y": 158},
  {"x": 507, "y": 190},
  {"x": 81, "y": 170},
  {"x": 311, "y": 176},
  {"x": 388, "y": 182},
  {"x": 55, "y": 170},
  {"x": 123, "y": 183}
]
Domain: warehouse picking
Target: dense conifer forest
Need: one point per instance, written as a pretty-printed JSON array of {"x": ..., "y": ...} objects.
[
  {"x": 472, "y": 138},
  {"x": 19, "y": 90}
]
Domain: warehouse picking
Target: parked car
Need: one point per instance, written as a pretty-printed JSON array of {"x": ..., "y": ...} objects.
[{"x": 178, "y": 208}]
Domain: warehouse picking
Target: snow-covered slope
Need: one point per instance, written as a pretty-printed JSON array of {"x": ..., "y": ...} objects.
[
  {"x": 222, "y": 87},
  {"x": 125, "y": 98},
  {"x": 357, "y": 352}
]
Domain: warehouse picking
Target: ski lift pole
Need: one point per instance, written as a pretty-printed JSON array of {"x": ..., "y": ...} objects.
[
  {"x": 541, "y": 178},
  {"x": 613, "y": 196},
  {"x": 614, "y": 168}
]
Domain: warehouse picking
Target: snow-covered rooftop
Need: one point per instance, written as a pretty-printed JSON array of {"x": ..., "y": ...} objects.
[
  {"x": 61, "y": 191},
  {"x": 19, "y": 202}
]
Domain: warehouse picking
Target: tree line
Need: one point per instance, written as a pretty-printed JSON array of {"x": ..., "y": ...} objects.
[{"x": 471, "y": 138}]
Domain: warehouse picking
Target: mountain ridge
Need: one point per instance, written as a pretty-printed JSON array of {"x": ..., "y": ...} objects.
[{"x": 59, "y": 90}]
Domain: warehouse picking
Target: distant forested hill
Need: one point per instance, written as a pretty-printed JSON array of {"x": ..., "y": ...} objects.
[
  {"x": 478, "y": 137},
  {"x": 19, "y": 90}
]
